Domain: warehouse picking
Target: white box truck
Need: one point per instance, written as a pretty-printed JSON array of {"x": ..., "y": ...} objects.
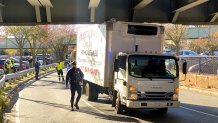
[{"x": 125, "y": 60}]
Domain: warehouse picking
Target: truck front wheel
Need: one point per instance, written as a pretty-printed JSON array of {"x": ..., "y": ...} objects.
[{"x": 119, "y": 107}]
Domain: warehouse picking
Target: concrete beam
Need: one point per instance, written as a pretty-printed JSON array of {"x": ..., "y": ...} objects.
[
  {"x": 1, "y": 11},
  {"x": 175, "y": 17},
  {"x": 142, "y": 4},
  {"x": 191, "y": 5},
  {"x": 34, "y": 2},
  {"x": 92, "y": 15},
  {"x": 94, "y": 3},
  {"x": 186, "y": 7},
  {"x": 38, "y": 15},
  {"x": 48, "y": 13},
  {"x": 214, "y": 17},
  {"x": 46, "y": 3}
]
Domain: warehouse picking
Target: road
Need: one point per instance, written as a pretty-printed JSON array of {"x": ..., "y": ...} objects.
[{"x": 47, "y": 100}]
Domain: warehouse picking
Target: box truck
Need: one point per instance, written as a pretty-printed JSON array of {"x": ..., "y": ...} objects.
[{"x": 125, "y": 60}]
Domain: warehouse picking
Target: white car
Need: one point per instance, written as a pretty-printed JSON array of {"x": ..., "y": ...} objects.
[{"x": 215, "y": 53}]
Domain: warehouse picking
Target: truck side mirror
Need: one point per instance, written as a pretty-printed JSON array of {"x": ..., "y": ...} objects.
[
  {"x": 184, "y": 67},
  {"x": 116, "y": 65}
]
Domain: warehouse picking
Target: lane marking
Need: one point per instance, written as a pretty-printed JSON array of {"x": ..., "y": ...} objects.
[
  {"x": 18, "y": 107},
  {"x": 212, "y": 115},
  {"x": 101, "y": 112},
  {"x": 18, "y": 102}
]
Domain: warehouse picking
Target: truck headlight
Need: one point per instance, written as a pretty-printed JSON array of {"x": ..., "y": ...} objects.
[
  {"x": 176, "y": 94},
  {"x": 175, "y": 97},
  {"x": 133, "y": 96}
]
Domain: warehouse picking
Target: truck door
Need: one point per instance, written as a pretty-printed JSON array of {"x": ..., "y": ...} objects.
[{"x": 120, "y": 77}]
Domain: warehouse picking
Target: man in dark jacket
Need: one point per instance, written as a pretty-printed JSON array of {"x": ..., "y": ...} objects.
[
  {"x": 37, "y": 64},
  {"x": 74, "y": 76}
]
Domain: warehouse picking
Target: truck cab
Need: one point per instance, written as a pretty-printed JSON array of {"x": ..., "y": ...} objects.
[{"x": 146, "y": 80}]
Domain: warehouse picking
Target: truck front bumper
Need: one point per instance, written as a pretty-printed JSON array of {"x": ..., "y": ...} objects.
[{"x": 152, "y": 104}]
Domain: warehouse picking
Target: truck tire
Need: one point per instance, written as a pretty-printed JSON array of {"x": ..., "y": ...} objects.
[
  {"x": 119, "y": 107},
  {"x": 114, "y": 97},
  {"x": 91, "y": 92},
  {"x": 162, "y": 110}
]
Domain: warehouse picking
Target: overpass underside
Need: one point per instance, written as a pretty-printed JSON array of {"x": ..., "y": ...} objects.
[{"x": 31, "y": 12}]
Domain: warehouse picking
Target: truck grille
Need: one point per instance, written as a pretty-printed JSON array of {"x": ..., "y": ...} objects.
[{"x": 155, "y": 95}]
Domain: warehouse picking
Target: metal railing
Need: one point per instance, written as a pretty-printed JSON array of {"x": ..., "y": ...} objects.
[
  {"x": 22, "y": 73},
  {"x": 201, "y": 64}
]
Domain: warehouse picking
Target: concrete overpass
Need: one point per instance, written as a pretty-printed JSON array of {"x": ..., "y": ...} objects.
[{"x": 18, "y": 12}]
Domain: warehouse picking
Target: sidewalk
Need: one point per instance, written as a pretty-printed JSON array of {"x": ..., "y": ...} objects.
[{"x": 208, "y": 91}]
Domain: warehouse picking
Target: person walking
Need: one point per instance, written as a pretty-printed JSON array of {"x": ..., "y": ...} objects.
[
  {"x": 75, "y": 77},
  {"x": 30, "y": 60},
  {"x": 69, "y": 66},
  {"x": 59, "y": 68},
  {"x": 37, "y": 65}
]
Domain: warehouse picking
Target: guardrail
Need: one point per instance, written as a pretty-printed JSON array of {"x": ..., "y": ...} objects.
[{"x": 22, "y": 73}]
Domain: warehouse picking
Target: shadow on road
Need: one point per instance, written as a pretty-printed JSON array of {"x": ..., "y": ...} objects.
[
  {"x": 117, "y": 118},
  {"x": 48, "y": 103},
  {"x": 87, "y": 110},
  {"x": 47, "y": 83}
]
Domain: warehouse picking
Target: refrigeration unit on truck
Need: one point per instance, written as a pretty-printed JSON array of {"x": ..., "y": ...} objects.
[{"x": 125, "y": 60}]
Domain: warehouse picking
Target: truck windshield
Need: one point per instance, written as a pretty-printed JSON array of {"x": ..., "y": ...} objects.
[{"x": 151, "y": 66}]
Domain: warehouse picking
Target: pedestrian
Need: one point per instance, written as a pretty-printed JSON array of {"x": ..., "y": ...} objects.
[
  {"x": 59, "y": 68},
  {"x": 37, "y": 65},
  {"x": 30, "y": 60},
  {"x": 69, "y": 66},
  {"x": 11, "y": 64},
  {"x": 7, "y": 67},
  {"x": 75, "y": 77}
]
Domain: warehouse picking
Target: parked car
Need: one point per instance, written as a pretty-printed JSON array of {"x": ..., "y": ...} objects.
[
  {"x": 187, "y": 53},
  {"x": 17, "y": 64},
  {"x": 168, "y": 52},
  {"x": 2, "y": 62}
]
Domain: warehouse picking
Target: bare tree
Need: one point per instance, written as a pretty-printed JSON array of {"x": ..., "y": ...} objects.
[
  {"x": 212, "y": 40},
  {"x": 198, "y": 45},
  {"x": 60, "y": 37},
  {"x": 36, "y": 36},
  {"x": 18, "y": 32},
  {"x": 175, "y": 33}
]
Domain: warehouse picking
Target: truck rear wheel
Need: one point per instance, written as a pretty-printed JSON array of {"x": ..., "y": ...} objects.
[{"x": 91, "y": 92}]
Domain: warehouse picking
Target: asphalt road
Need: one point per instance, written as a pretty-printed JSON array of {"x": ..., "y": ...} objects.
[{"x": 47, "y": 100}]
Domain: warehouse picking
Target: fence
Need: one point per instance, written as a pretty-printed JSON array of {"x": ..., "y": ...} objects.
[
  {"x": 201, "y": 64},
  {"x": 21, "y": 73}
]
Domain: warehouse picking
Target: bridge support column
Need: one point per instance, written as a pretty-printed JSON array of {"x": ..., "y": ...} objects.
[
  {"x": 38, "y": 15},
  {"x": 92, "y": 15},
  {"x": 1, "y": 12},
  {"x": 48, "y": 13}
]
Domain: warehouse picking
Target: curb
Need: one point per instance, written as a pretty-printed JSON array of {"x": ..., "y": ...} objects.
[{"x": 200, "y": 91}]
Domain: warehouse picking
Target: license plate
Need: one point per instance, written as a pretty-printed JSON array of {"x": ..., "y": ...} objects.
[{"x": 159, "y": 104}]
